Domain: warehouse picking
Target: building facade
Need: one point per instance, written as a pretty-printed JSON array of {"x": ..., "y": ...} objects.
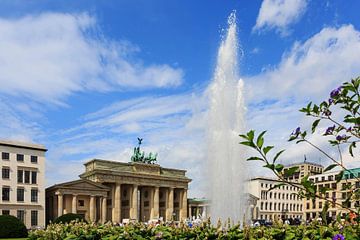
[
  {"x": 22, "y": 182},
  {"x": 116, "y": 191},
  {"x": 305, "y": 168},
  {"x": 279, "y": 203},
  {"x": 336, "y": 194},
  {"x": 284, "y": 203}
]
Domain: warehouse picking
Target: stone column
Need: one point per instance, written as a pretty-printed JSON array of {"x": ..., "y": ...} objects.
[
  {"x": 103, "y": 210},
  {"x": 74, "y": 204},
  {"x": 117, "y": 204},
  {"x": 183, "y": 203},
  {"x": 134, "y": 203},
  {"x": 155, "y": 212},
  {"x": 189, "y": 211},
  {"x": 92, "y": 209},
  {"x": 170, "y": 205},
  {"x": 60, "y": 204}
]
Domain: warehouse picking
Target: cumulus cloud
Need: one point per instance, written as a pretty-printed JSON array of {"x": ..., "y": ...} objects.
[
  {"x": 279, "y": 14},
  {"x": 310, "y": 70},
  {"x": 50, "y": 56}
]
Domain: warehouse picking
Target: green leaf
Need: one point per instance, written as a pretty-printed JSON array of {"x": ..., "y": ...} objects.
[
  {"x": 250, "y": 135},
  {"x": 292, "y": 137},
  {"x": 331, "y": 166},
  {"x": 315, "y": 109},
  {"x": 260, "y": 140},
  {"x": 324, "y": 212},
  {"x": 254, "y": 159},
  {"x": 314, "y": 125},
  {"x": 339, "y": 176},
  {"x": 352, "y": 145},
  {"x": 267, "y": 149},
  {"x": 247, "y": 143},
  {"x": 244, "y": 136},
  {"x": 277, "y": 155},
  {"x": 290, "y": 171},
  {"x": 269, "y": 166},
  {"x": 303, "y": 134},
  {"x": 279, "y": 167}
]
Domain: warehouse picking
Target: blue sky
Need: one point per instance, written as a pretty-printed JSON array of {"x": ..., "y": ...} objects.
[{"x": 85, "y": 78}]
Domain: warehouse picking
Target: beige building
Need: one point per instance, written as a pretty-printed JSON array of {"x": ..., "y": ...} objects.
[
  {"x": 305, "y": 168},
  {"x": 22, "y": 182},
  {"x": 292, "y": 206},
  {"x": 116, "y": 191},
  {"x": 279, "y": 203},
  {"x": 337, "y": 193}
]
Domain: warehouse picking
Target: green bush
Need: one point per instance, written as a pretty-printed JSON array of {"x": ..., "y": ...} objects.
[
  {"x": 11, "y": 227},
  {"x": 67, "y": 218},
  {"x": 205, "y": 230}
]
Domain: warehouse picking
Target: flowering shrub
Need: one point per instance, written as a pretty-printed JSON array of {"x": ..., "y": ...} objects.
[
  {"x": 342, "y": 133},
  {"x": 81, "y": 230}
]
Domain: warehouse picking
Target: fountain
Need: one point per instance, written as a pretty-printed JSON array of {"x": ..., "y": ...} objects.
[{"x": 226, "y": 120}]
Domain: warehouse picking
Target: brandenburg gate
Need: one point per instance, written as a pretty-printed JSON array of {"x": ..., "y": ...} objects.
[{"x": 114, "y": 191}]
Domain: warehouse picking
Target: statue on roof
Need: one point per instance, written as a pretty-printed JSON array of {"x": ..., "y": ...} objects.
[{"x": 139, "y": 156}]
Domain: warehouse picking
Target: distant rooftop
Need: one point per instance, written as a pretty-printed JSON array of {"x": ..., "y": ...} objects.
[
  {"x": 32, "y": 146},
  {"x": 301, "y": 163}
]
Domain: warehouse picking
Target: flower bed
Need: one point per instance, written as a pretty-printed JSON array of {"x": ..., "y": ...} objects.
[{"x": 81, "y": 230}]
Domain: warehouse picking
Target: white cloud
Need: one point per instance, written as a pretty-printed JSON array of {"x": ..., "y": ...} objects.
[
  {"x": 310, "y": 70},
  {"x": 173, "y": 126},
  {"x": 279, "y": 14},
  {"x": 49, "y": 56}
]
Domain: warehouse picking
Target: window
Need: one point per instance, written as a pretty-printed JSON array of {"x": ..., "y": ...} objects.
[
  {"x": 5, "y": 212},
  {"x": 333, "y": 185},
  {"x": 27, "y": 176},
  {"x": 21, "y": 215},
  {"x": 6, "y": 194},
  {"x": 33, "y": 177},
  {"x": 5, "y": 173},
  {"x": 81, "y": 203},
  {"x": 330, "y": 178},
  {"x": 320, "y": 204},
  {"x": 20, "y": 194},
  {"x": 357, "y": 184},
  {"x": 34, "y": 195},
  {"x": 20, "y": 177},
  {"x": 5, "y": 156},
  {"x": 344, "y": 195},
  {"x": 34, "y": 218},
  {"x": 20, "y": 157},
  {"x": 323, "y": 179},
  {"x": 34, "y": 159}
]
